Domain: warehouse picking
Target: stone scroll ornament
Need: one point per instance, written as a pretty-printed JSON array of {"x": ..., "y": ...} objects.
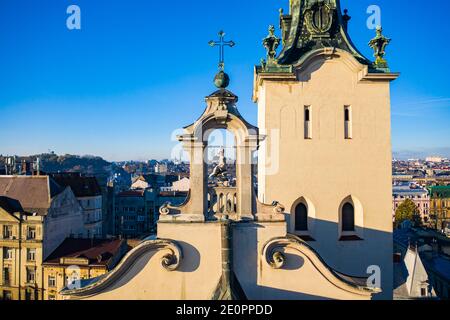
[{"x": 379, "y": 44}]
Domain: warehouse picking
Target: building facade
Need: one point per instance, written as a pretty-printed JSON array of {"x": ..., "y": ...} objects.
[
  {"x": 420, "y": 197},
  {"x": 77, "y": 260},
  {"x": 135, "y": 213},
  {"x": 89, "y": 195},
  {"x": 36, "y": 215},
  {"x": 325, "y": 110},
  {"x": 440, "y": 206}
]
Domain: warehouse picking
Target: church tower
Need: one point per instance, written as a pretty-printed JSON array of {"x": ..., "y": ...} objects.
[{"x": 325, "y": 111}]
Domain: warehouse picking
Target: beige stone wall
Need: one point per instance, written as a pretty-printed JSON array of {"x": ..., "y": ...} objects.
[
  {"x": 195, "y": 279},
  {"x": 328, "y": 168}
]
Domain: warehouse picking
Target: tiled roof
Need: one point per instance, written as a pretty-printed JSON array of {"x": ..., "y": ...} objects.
[
  {"x": 97, "y": 251},
  {"x": 81, "y": 186},
  {"x": 33, "y": 192}
]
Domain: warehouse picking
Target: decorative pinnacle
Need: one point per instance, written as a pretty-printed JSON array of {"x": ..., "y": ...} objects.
[
  {"x": 271, "y": 43},
  {"x": 221, "y": 43},
  {"x": 379, "y": 44}
]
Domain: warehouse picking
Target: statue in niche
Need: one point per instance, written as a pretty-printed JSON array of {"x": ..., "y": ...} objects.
[{"x": 220, "y": 170}]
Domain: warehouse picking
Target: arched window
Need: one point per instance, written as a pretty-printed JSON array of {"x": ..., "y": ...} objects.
[
  {"x": 301, "y": 217},
  {"x": 348, "y": 217}
]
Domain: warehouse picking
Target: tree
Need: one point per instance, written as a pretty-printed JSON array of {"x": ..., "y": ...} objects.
[{"x": 407, "y": 210}]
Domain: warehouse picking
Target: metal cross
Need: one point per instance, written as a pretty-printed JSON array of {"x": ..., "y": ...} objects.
[{"x": 222, "y": 44}]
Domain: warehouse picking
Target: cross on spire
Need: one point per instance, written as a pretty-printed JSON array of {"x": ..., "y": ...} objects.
[{"x": 222, "y": 44}]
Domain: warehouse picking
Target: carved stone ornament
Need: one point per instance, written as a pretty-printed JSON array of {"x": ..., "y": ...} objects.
[{"x": 319, "y": 18}]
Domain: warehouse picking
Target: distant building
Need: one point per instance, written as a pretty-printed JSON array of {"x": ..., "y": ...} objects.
[
  {"x": 182, "y": 185},
  {"x": 434, "y": 159},
  {"x": 440, "y": 206},
  {"x": 419, "y": 196},
  {"x": 135, "y": 213},
  {"x": 89, "y": 195},
  {"x": 154, "y": 181},
  {"x": 411, "y": 280},
  {"x": 426, "y": 246},
  {"x": 161, "y": 168},
  {"x": 77, "y": 260},
  {"x": 36, "y": 216}
]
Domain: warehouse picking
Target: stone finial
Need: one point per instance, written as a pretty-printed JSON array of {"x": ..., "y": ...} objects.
[
  {"x": 271, "y": 43},
  {"x": 379, "y": 44}
]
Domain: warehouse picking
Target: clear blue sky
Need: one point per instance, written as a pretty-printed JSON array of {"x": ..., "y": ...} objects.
[{"x": 139, "y": 69}]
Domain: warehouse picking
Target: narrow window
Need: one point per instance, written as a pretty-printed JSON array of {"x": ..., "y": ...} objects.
[
  {"x": 31, "y": 254},
  {"x": 52, "y": 281},
  {"x": 301, "y": 217},
  {"x": 348, "y": 122},
  {"x": 31, "y": 275},
  {"x": 423, "y": 292},
  {"x": 308, "y": 123},
  {"x": 31, "y": 233},
  {"x": 348, "y": 218}
]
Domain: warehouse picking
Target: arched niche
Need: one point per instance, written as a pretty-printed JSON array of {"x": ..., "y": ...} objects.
[
  {"x": 358, "y": 231},
  {"x": 311, "y": 217}
]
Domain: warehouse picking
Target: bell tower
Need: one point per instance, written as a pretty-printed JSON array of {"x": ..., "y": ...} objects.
[{"x": 325, "y": 111}]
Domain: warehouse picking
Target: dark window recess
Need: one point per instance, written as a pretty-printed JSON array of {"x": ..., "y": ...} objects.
[
  {"x": 348, "y": 217},
  {"x": 307, "y": 115},
  {"x": 347, "y": 114},
  {"x": 301, "y": 217}
]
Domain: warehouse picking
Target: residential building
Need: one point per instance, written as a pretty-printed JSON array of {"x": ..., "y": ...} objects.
[
  {"x": 134, "y": 213},
  {"x": 36, "y": 215},
  {"x": 440, "y": 206},
  {"x": 77, "y": 260},
  {"x": 89, "y": 195},
  {"x": 161, "y": 168},
  {"x": 434, "y": 159},
  {"x": 154, "y": 181},
  {"x": 413, "y": 192},
  {"x": 182, "y": 185}
]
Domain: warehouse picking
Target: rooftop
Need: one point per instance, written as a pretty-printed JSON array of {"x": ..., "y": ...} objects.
[
  {"x": 98, "y": 252},
  {"x": 33, "y": 192},
  {"x": 81, "y": 186}
]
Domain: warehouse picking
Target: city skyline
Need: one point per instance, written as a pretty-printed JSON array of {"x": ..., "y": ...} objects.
[{"x": 121, "y": 86}]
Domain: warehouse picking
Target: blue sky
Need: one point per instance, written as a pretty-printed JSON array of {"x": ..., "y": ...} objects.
[{"x": 139, "y": 69}]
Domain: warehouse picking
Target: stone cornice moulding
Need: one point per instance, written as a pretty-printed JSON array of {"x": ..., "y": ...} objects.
[
  {"x": 273, "y": 252},
  {"x": 170, "y": 261},
  {"x": 307, "y": 65}
]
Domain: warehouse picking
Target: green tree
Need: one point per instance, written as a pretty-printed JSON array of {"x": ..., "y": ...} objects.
[{"x": 407, "y": 210}]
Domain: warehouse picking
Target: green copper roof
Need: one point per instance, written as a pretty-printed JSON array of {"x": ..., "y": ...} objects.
[
  {"x": 312, "y": 25},
  {"x": 440, "y": 191}
]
